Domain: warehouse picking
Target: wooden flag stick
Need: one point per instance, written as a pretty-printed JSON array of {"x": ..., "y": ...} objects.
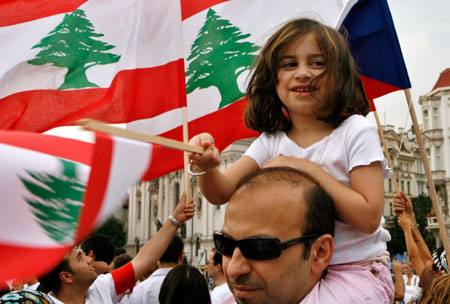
[
  {"x": 187, "y": 183},
  {"x": 99, "y": 126},
  {"x": 386, "y": 152},
  {"x": 426, "y": 166}
]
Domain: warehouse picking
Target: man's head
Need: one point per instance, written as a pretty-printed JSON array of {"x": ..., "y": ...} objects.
[
  {"x": 174, "y": 253},
  {"x": 215, "y": 269},
  {"x": 75, "y": 271},
  {"x": 101, "y": 249},
  {"x": 285, "y": 204}
]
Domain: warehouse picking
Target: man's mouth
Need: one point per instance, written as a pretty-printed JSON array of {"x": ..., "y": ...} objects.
[{"x": 244, "y": 291}]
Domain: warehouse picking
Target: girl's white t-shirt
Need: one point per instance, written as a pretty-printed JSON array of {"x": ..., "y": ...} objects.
[{"x": 354, "y": 143}]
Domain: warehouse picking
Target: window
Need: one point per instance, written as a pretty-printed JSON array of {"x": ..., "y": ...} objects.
[
  {"x": 408, "y": 187},
  {"x": 390, "y": 185},
  {"x": 176, "y": 193},
  {"x": 401, "y": 166},
  {"x": 390, "y": 209},
  {"x": 425, "y": 120},
  {"x": 435, "y": 118},
  {"x": 438, "y": 158},
  {"x": 428, "y": 157},
  {"x": 402, "y": 186},
  {"x": 407, "y": 167}
]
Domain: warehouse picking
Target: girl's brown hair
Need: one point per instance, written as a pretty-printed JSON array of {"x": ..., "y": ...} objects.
[
  {"x": 439, "y": 292},
  {"x": 265, "y": 111}
]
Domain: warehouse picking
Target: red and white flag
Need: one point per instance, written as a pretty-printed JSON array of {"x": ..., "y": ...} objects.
[
  {"x": 55, "y": 191},
  {"x": 63, "y": 60}
]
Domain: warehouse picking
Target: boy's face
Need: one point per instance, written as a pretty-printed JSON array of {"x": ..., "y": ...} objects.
[
  {"x": 81, "y": 264},
  {"x": 300, "y": 62}
]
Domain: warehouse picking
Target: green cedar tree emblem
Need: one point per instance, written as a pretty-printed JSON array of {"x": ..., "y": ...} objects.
[
  {"x": 56, "y": 200},
  {"x": 72, "y": 45},
  {"x": 218, "y": 57}
]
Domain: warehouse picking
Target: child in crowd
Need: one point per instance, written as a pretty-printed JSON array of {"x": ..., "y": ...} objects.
[{"x": 306, "y": 99}]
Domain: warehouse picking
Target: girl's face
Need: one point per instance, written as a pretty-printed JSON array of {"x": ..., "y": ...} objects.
[
  {"x": 300, "y": 62},
  {"x": 406, "y": 269}
]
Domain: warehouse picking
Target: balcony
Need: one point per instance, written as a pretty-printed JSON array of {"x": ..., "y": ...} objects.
[
  {"x": 432, "y": 222},
  {"x": 438, "y": 176},
  {"x": 434, "y": 134}
]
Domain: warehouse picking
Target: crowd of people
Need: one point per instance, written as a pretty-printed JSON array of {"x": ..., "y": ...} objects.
[{"x": 304, "y": 218}]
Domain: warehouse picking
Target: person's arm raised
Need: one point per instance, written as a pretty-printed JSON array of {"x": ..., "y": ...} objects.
[
  {"x": 411, "y": 247},
  {"x": 152, "y": 251},
  {"x": 403, "y": 204},
  {"x": 217, "y": 187},
  {"x": 399, "y": 285},
  {"x": 360, "y": 206}
]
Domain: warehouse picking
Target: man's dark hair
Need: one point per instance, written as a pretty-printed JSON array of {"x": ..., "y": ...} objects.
[
  {"x": 173, "y": 252},
  {"x": 217, "y": 259},
  {"x": 121, "y": 260},
  {"x": 51, "y": 281},
  {"x": 319, "y": 219},
  {"x": 102, "y": 247},
  {"x": 118, "y": 251}
]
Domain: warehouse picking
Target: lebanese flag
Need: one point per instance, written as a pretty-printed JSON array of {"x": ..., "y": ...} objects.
[
  {"x": 55, "y": 191},
  {"x": 222, "y": 38},
  {"x": 63, "y": 60}
]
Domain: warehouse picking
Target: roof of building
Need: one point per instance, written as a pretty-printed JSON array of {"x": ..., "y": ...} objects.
[{"x": 444, "y": 79}]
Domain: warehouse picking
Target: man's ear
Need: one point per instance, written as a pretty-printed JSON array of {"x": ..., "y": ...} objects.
[
  {"x": 321, "y": 253},
  {"x": 91, "y": 254},
  {"x": 219, "y": 268},
  {"x": 181, "y": 257},
  {"x": 66, "y": 277}
]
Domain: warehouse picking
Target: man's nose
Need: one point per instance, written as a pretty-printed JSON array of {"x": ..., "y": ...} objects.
[{"x": 238, "y": 264}]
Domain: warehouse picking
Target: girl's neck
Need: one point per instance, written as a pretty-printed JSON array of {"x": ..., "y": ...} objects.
[{"x": 307, "y": 131}]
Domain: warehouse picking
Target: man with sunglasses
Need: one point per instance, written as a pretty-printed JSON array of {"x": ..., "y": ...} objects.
[{"x": 277, "y": 238}]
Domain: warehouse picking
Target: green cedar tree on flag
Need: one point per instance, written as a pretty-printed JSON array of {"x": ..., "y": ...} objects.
[{"x": 55, "y": 191}]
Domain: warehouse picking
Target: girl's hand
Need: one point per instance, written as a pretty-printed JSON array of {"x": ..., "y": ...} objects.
[
  {"x": 402, "y": 204},
  {"x": 404, "y": 221},
  {"x": 208, "y": 159},
  {"x": 184, "y": 212},
  {"x": 293, "y": 162},
  {"x": 396, "y": 267}
]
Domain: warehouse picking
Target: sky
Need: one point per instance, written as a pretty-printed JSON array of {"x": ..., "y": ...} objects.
[{"x": 423, "y": 29}]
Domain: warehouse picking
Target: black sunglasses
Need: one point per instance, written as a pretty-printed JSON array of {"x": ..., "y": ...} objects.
[{"x": 257, "y": 248}]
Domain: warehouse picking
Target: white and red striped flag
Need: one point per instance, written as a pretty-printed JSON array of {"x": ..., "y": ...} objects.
[
  {"x": 55, "y": 191},
  {"x": 63, "y": 60}
]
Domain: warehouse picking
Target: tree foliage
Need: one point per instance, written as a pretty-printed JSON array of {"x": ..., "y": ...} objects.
[
  {"x": 114, "y": 229},
  {"x": 421, "y": 206}
]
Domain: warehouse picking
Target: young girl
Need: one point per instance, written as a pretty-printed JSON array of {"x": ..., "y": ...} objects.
[{"x": 306, "y": 98}]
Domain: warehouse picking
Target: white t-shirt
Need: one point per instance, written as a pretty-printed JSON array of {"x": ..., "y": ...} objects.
[
  {"x": 101, "y": 291},
  {"x": 220, "y": 293},
  {"x": 148, "y": 291},
  {"x": 413, "y": 290},
  {"x": 354, "y": 143}
]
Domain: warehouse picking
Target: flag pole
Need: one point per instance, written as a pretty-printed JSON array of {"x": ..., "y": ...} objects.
[
  {"x": 426, "y": 166},
  {"x": 187, "y": 183},
  {"x": 99, "y": 126},
  {"x": 386, "y": 152}
]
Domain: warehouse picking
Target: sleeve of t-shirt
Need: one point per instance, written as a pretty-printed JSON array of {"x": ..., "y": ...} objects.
[
  {"x": 363, "y": 144},
  {"x": 259, "y": 150},
  {"x": 426, "y": 280},
  {"x": 124, "y": 279}
]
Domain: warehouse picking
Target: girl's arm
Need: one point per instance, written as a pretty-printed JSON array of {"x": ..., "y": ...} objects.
[
  {"x": 217, "y": 187},
  {"x": 360, "y": 206}
]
